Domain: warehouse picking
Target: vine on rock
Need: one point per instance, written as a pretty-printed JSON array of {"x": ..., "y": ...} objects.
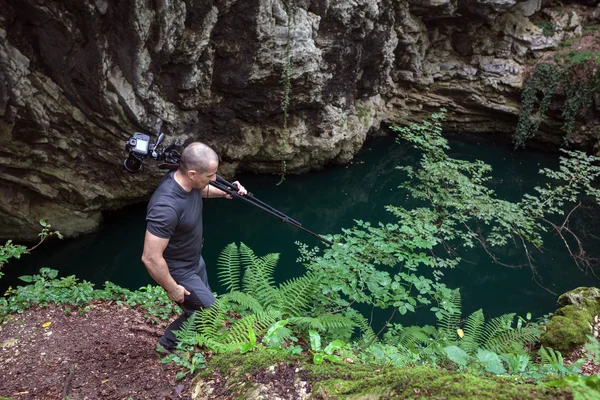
[
  {"x": 287, "y": 72},
  {"x": 575, "y": 76}
]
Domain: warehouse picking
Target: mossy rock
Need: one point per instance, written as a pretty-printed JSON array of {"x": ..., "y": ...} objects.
[
  {"x": 244, "y": 377},
  {"x": 565, "y": 334},
  {"x": 584, "y": 297},
  {"x": 422, "y": 382},
  {"x": 571, "y": 323}
]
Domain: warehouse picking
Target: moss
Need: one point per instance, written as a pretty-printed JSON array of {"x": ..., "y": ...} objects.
[
  {"x": 585, "y": 297},
  {"x": 567, "y": 333},
  {"x": 356, "y": 381},
  {"x": 572, "y": 322},
  {"x": 234, "y": 364},
  {"x": 420, "y": 382}
]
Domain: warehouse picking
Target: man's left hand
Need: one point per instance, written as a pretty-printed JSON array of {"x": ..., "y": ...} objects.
[{"x": 241, "y": 190}]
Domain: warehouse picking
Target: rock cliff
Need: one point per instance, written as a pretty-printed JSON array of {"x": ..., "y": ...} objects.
[{"x": 77, "y": 78}]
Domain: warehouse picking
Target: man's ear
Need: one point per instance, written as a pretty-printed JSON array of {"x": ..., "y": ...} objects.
[{"x": 191, "y": 174}]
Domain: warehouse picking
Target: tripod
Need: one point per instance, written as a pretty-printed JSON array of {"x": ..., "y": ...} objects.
[{"x": 249, "y": 198}]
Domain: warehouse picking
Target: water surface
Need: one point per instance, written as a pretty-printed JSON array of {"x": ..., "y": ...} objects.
[{"x": 325, "y": 202}]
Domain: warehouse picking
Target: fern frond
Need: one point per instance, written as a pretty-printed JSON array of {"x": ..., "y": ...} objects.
[
  {"x": 189, "y": 329},
  {"x": 296, "y": 294},
  {"x": 219, "y": 347},
  {"x": 322, "y": 323},
  {"x": 367, "y": 333},
  {"x": 259, "y": 276},
  {"x": 307, "y": 323},
  {"x": 450, "y": 319},
  {"x": 228, "y": 265},
  {"x": 496, "y": 327},
  {"x": 473, "y": 332},
  {"x": 212, "y": 318},
  {"x": 245, "y": 300},
  {"x": 249, "y": 302},
  {"x": 238, "y": 333},
  {"x": 514, "y": 341},
  {"x": 413, "y": 335}
]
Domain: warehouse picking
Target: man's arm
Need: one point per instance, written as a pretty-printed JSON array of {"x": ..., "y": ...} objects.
[
  {"x": 210, "y": 192},
  {"x": 156, "y": 265}
]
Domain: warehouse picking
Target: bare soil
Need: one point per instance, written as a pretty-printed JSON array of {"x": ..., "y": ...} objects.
[{"x": 108, "y": 353}]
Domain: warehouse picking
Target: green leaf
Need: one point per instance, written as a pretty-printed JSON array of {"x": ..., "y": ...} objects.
[
  {"x": 251, "y": 336},
  {"x": 334, "y": 346},
  {"x": 457, "y": 355},
  {"x": 246, "y": 347},
  {"x": 491, "y": 361},
  {"x": 181, "y": 375},
  {"x": 333, "y": 358},
  {"x": 315, "y": 340},
  {"x": 273, "y": 330},
  {"x": 318, "y": 358}
]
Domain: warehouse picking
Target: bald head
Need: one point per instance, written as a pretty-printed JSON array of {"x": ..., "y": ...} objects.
[{"x": 199, "y": 157}]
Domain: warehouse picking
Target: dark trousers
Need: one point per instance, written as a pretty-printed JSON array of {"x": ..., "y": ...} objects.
[{"x": 200, "y": 297}]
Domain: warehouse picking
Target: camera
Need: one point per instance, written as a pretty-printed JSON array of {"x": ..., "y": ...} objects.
[{"x": 139, "y": 147}]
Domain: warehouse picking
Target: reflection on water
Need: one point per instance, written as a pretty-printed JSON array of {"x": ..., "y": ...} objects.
[{"x": 325, "y": 202}]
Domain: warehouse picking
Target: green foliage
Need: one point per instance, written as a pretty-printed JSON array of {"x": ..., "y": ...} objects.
[
  {"x": 583, "y": 387},
  {"x": 229, "y": 266},
  {"x": 535, "y": 101},
  {"x": 547, "y": 27},
  {"x": 264, "y": 313},
  {"x": 593, "y": 350},
  {"x": 575, "y": 75},
  {"x": 191, "y": 362},
  {"x": 152, "y": 299},
  {"x": 473, "y": 343},
  {"x": 552, "y": 362},
  {"x": 10, "y": 250},
  {"x": 363, "y": 113},
  {"x": 326, "y": 354},
  {"x": 45, "y": 288}
]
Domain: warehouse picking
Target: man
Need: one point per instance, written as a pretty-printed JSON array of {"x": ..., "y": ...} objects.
[{"x": 173, "y": 242}]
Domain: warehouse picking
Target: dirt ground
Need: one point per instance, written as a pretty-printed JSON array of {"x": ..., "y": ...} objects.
[
  {"x": 46, "y": 353},
  {"x": 109, "y": 353}
]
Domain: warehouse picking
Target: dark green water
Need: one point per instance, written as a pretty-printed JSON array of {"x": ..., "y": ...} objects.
[{"x": 325, "y": 202}]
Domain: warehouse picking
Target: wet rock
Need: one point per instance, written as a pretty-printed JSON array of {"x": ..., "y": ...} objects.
[{"x": 77, "y": 78}]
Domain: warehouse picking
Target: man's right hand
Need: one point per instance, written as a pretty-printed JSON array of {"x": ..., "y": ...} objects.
[{"x": 177, "y": 294}]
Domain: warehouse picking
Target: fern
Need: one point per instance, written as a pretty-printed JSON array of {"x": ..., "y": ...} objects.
[
  {"x": 238, "y": 334},
  {"x": 258, "y": 279},
  {"x": 367, "y": 333},
  {"x": 496, "y": 327},
  {"x": 187, "y": 335},
  {"x": 228, "y": 265},
  {"x": 325, "y": 322},
  {"x": 495, "y": 335},
  {"x": 450, "y": 318},
  {"x": 473, "y": 332},
  {"x": 513, "y": 341},
  {"x": 246, "y": 301},
  {"x": 213, "y": 319},
  {"x": 296, "y": 294}
]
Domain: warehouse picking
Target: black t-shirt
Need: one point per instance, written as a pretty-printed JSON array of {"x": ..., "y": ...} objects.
[{"x": 176, "y": 215}]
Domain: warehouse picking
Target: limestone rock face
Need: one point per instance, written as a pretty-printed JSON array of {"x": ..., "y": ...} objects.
[{"x": 79, "y": 77}]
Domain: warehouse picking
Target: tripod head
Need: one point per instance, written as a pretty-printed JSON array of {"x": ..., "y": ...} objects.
[{"x": 139, "y": 147}]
